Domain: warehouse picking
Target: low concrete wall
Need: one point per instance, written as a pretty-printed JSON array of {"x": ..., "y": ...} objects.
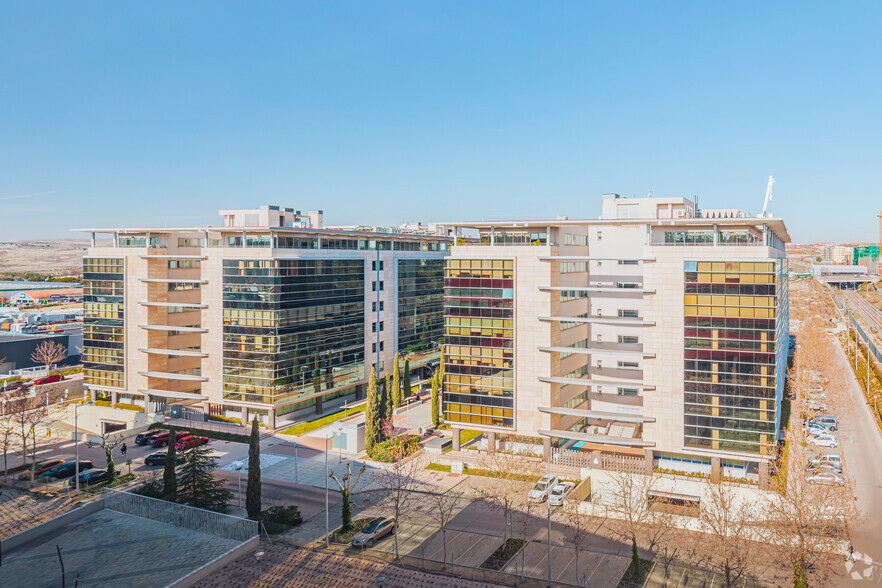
[
  {"x": 476, "y": 574},
  {"x": 249, "y": 547},
  {"x": 50, "y": 526}
]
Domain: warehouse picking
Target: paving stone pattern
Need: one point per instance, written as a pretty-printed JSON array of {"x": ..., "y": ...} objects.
[{"x": 20, "y": 511}]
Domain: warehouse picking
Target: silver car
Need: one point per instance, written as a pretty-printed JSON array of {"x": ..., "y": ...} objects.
[{"x": 373, "y": 531}]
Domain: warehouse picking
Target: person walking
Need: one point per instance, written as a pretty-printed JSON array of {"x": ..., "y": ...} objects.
[
  {"x": 123, "y": 449},
  {"x": 850, "y": 553}
]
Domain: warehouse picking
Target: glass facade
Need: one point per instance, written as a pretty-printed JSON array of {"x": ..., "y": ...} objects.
[
  {"x": 104, "y": 357},
  {"x": 735, "y": 312},
  {"x": 292, "y": 327},
  {"x": 479, "y": 342},
  {"x": 420, "y": 309}
]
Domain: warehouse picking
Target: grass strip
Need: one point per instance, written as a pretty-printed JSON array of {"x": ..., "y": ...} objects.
[{"x": 323, "y": 421}]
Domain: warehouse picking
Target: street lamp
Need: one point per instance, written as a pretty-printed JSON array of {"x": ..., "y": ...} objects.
[
  {"x": 327, "y": 475},
  {"x": 296, "y": 477},
  {"x": 259, "y": 556},
  {"x": 77, "y": 442},
  {"x": 239, "y": 481}
]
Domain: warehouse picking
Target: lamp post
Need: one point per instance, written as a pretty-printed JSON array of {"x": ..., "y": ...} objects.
[
  {"x": 296, "y": 477},
  {"x": 327, "y": 475},
  {"x": 239, "y": 481},
  {"x": 77, "y": 443},
  {"x": 259, "y": 556},
  {"x": 548, "y": 510}
]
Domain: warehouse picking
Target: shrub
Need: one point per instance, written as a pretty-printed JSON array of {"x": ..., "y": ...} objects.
[
  {"x": 278, "y": 519},
  {"x": 224, "y": 419},
  {"x": 397, "y": 446},
  {"x": 152, "y": 488}
]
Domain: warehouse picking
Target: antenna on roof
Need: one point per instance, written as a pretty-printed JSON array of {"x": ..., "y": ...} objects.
[{"x": 768, "y": 196}]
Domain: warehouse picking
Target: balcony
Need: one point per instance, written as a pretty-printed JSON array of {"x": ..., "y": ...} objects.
[
  {"x": 610, "y": 349},
  {"x": 174, "y": 352},
  {"x": 193, "y": 305},
  {"x": 595, "y": 382},
  {"x": 598, "y": 289},
  {"x": 173, "y": 328},
  {"x": 172, "y": 394},
  {"x": 173, "y": 376},
  {"x": 608, "y": 320}
]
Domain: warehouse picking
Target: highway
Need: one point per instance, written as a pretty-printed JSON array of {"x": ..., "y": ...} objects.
[{"x": 865, "y": 312}]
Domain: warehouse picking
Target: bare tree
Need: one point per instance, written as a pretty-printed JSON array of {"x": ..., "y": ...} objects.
[
  {"x": 398, "y": 481},
  {"x": 628, "y": 501},
  {"x": 446, "y": 507},
  {"x": 7, "y": 439},
  {"x": 523, "y": 517},
  {"x": 577, "y": 524},
  {"x": 347, "y": 485},
  {"x": 48, "y": 353},
  {"x": 506, "y": 490},
  {"x": 731, "y": 545},
  {"x": 108, "y": 442},
  {"x": 666, "y": 537}
]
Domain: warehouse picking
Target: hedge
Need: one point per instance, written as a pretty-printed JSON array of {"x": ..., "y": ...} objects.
[
  {"x": 325, "y": 420},
  {"x": 219, "y": 435},
  {"x": 387, "y": 450}
]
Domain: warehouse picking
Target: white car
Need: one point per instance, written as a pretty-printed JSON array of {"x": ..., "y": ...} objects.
[
  {"x": 813, "y": 428},
  {"x": 833, "y": 458},
  {"x": 819, "y": 406},
  {"x": 823, "y": 440},
  {"x": 540, "y": 491},
  {"x": 559, "y": 492},
  {"x": 828, "y": 421},
  {"x": 826, "y": 478}
]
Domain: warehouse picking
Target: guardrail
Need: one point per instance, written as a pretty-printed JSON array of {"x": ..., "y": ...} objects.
[{"x": 856, "y": 326}]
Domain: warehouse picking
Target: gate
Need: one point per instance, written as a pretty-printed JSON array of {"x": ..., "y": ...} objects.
[{"x": 623, "y": 463}]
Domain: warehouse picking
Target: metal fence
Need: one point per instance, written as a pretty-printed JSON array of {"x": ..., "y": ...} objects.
[
  {"x": 856, "y": 326},
  {"x": 573, "y": 459},
  {"x": 179, "y": 515}
]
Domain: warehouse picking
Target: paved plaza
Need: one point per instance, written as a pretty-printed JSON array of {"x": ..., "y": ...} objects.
[{"x": 110, "y": 548}]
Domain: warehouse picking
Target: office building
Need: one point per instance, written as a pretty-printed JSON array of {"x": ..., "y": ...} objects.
[
  {"x": 269, "y": 315},
  {"x": 656, "y": 331}
]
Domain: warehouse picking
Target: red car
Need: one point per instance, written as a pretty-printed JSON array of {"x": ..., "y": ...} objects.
[
  {"x": 190, "y": 441},
  {"x": 49, "y": 379},
  {"x": 162, "y": 440}
]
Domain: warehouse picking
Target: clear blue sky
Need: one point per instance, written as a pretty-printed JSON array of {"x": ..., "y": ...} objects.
[{"x": 125, "y": 114}]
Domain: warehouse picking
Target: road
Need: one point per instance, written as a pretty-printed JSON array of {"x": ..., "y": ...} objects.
[
  {"x": 861, "y": 446},
  {"x": 865, "y": 312}
]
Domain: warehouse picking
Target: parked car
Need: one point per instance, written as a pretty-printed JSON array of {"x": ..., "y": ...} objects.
[
  {"x": 88, "y": 478},
  {"x": 833, "y": 458},
  {"x": 190, "y": 441},
  {"x": 540, "y": 491},
  {"x": 819, "y": 406},
  {"x": 374, "y": 530},
  {"x": 826, "y": 478},
  {"x": 66, "y": 469},
  {"x": 814, "y": 428},
  {"x": 823, "y": 440},
  {"x": 161, "y": 440},
  {"x": 158, "y": 459},
  {"x": 144, "y": 438},
  {"x": 828, "y": 421},
  {"x": 824, "y": 466},
  {"x": 559, "y": 493},
  {"x": 48, "y": 379},
  {"x": 42, "y": 468}
]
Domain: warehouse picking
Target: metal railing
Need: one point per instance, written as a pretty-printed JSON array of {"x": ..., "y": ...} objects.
[
  {"x": 179, "y": 515},
  {"x": 856, "y": 326}
]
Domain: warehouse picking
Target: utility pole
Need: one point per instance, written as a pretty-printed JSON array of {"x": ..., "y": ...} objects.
[{"x": 879, "y": 250}]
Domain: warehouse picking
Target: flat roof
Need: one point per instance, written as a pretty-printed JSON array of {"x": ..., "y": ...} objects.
[
  {"x": 300, "y": 230},
  {"x": 775, "y": 224}
]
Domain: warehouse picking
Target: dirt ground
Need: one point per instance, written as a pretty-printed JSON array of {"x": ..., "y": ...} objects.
[{"x": 61, "y": 256}]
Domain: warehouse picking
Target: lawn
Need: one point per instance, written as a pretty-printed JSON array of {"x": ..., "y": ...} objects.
[
  {"x": 437, "y": 467},
  {"x": 325, "y": 420}
]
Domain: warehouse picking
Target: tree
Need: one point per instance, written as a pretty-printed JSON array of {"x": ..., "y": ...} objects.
[
  {"x": 397, "y": 480},
  {"x": 387, "y": 398},
  {"x": 730, "y": 541},
  {"x": 7, "y": 436},
  {"x": 666, "y": 539},
  {"x": 49, "y": 352},
  {"x": 406, "y": 391},
  {"x": 252, "y": 490},
  {"x": 169, "y": 477},
  {"x": 347, "y": 485},
  {"x": 524, "y": 517},
  {"x": 505, "y": 490},
  {"x": 396, "y": 383},
  {"x": 372, "y": 414},
  {"x": 28, "y": 416},
  {"x": 628, "y": 500},
  {"x": 436, "y": 407},
  {"x": 108, "y": 443},
  {"x": 383, "y": 395},
  {"x": 577, "y": 524},
  {"x": 198, "y": 487},
  {"x": 446, "y": 507}
]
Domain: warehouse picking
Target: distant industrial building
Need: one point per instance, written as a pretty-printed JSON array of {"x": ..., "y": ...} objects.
[{"x": 48, "y": 296}]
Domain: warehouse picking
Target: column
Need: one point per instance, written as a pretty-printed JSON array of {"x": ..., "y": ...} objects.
[
  {"x": 649, "y": 455},
  {"x": 318, "y": 405},
  {"x": 716, "y": 470},
  {"x": 491, "y": 442},
  {"x": 456, "y": 439},
  {"x": 93, "y": 394},
  {"x": 244, "y": 415},
  {"x": 716, "y": 235},
  {"x": 546, "y": 447},
  {"x": 271, "y": 419},
  {"x": 596, "y": 463},
  {"x": 114, "y": 397}
]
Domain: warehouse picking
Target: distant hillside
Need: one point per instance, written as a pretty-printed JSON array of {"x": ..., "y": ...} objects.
[{"x": 50, "y": 256}]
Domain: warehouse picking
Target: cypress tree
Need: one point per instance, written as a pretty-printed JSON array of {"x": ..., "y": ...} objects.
[
  {"x": 169, "y": 476},
  {"x": 406, "y": 392},
  {"x": 111, "y": 469},
  {"x": 199, "y": 487},
  {"x": 372, "y": 415},
  {"x": 387, "y": 398},
  {"x": 396, "y": 383},
  {"x": 252, "y": 490},
  {"x": 436, "y": 414}
]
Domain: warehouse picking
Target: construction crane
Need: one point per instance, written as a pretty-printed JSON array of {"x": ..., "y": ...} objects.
[{"x": 768, "y": 196}]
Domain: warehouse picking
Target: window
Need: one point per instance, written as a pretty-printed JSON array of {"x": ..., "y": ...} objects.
[
  {"x": 189, "y": 242},
  {"x": 627, "y": 285},
  {"x": 629, "y": 365},
  {"x": 573, "y": 267},
  {"x": 377, "y": 286},
  {"x": 628, "y": 339},
  {"x": 374, "y": 347},
  {"x": 374, "y": 306},
  {"x": 627, "y": 262},
  {"x": 183, "y": 264},
  {"x": 176, "y": 286},
  {"x": 381, "y": 326},
  {"x": 374, "y": 266},
  {"x": 382, "y": 345},
  {"x": 373, "y": 327},
  {"x": 627, "y": 313},
  {"x": 580, "y": 240},
  {"x": 628, "y": 391}
]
